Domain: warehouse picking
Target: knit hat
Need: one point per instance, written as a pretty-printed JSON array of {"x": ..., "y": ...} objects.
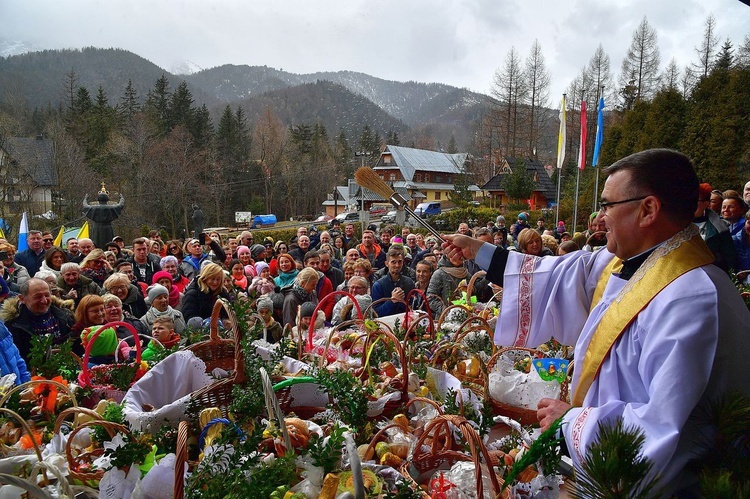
[
  {"x": 561, "y": 224},
  {"x": 257, "y": 251},
  {"x": 154, "y": 291},
  {"x": 500, "y": 218},
  {"x": 264, "y": 303},
  {"x": 397, "y": 240},
  {"x": 242, "y": 249},
  {"x": 249, "y": 270},
  {"x": 306, "y": 309},
  {"x": 259, "y": 266},
  {"x": 268, "y": 241},
  {"x": 104, "y": 344},
  {"x": 158, "y": 276},
  {"x": 523, "y": 216}
]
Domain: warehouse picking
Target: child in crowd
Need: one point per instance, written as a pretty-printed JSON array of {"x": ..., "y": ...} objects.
[
  {"x": 273, "y": 328},
  {"x": 158, "y": 297},
  {"x": 163, "y": 331},
  {"x": 165, "y": 279},
  {"x": 239, "y": 277},
  {"x": 262, "y": 284},
  {"x": 304, "y": 318},
  {"x": 103, "y": 349}
]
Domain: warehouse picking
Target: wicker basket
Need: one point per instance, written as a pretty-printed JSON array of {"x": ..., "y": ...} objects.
[
  {"x": 438, "y": 454},
  {"x": 219, "y": 394},
  {"x": 523, "y": 415},
  {"x": 108, "y": 391},
  {"x": 26, "y": 428},
  {"x": 181, "y": 459},
  {"x": 215, "y": 352},
  {"x": 392, "y": 406},
  {"x": 77, "y": 462},
  {"x": 36, "y": 382}
]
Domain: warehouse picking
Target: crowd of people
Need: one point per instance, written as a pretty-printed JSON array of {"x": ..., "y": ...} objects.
[
  {"x": 646, "y": 221},
  {"x": 45, "y": 288}
]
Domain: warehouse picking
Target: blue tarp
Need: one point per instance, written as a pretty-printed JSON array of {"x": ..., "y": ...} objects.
[{"x": 263, "y": 221}]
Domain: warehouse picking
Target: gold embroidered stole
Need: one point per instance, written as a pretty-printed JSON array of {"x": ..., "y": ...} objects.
[{"x": 681, "y": 253}]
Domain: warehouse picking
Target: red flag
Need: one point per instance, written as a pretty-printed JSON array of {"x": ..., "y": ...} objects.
[{"x": 582, "y": 150}]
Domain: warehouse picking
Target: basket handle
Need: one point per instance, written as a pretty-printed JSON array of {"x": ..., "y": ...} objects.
[
  {"x": 326, "y": 298},
  {"x": 444, "y": 314},
  {"x": 239, "y": 358},
  {"x": 150, "y": 338},
  {"x": 181, "y": 457},
  {"x": 472, "y": 281},
  {"x": 75, "y": 410},
  {"x": 401, "y": 354},
  {"x": 370, "y": 311},
  {"x": 32, "y": 489},
  {"x": 26, "y": 428},
  {"x": 35, "y": 382},
  {"x": 110, "y": 427},
  {"x": 85, "y": 376}
]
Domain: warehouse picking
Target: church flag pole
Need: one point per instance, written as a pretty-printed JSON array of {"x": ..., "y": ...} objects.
[
  {"x": 581, "y": 160},
  {"x": 598, "y": 147},
  {"x": 560, "y": 154}
]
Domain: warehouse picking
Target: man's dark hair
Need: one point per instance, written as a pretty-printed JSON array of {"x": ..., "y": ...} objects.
[
  {"x": 140, "y": 240},
  {"x": 395, "y": 251},
  {"x": 669, "y": 175},
  {"x": 311, "y": 254},
  {"x": 120, "y": 262}
]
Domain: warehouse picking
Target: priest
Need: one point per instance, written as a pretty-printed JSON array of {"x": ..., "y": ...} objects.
[{"x": 659, "y": 331}]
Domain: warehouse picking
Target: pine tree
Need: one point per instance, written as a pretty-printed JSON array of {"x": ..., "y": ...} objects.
[
  {"x": 180, "y": 110},
  {"x": 707, "y": 48},
  {"x": 452, "y": 147},
  {"x": 537, "y": 79},
  {"x": 129, "y": 103},
  {"x": 640, "y": 68},
  {"x": 157, "y": 106},
  {"x": 509, "y": 89},
  {"x": 519, "y": 184}
]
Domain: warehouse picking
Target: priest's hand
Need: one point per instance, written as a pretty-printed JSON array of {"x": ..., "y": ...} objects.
[
  {"x": 549, "y": 411},
  {"x": 458, "y": 244}
]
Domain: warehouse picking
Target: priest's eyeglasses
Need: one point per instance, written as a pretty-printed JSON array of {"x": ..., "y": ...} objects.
[{"x": 605, "y": 205}]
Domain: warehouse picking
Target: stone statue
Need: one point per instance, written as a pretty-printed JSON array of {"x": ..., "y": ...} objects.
[
  {"x": 102, "y": 215},
  {"x": 198, "y": 220}
]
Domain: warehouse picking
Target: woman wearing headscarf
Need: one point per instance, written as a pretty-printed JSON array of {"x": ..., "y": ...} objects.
[
  {"x": 444, "y": 282},
  {"x": 301, "y": 291}
]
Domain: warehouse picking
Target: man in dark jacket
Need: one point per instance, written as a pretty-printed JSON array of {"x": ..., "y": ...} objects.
[
  {"x": 145, "y": 264},
  {"x": 394, "y": 285},
  {"x": 34, "y": 314},
  {"x": 33, "y": 256}
]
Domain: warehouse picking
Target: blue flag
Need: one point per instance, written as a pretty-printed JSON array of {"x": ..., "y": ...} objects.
[
  {"x": 599, "y": 133},
  {"x": 23, "y": 231}
]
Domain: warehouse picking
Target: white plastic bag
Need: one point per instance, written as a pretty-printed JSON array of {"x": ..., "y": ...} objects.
[{"x": 519, "y": 389}]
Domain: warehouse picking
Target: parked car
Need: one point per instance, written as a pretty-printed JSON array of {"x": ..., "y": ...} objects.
[
  {"x": 323, "y": 218},
  {"x": 425, "y": 210},
  {"x": 389, "y": 217},
  {"x": 377, "y": 210},
  {"x": 348, "y": 216}
]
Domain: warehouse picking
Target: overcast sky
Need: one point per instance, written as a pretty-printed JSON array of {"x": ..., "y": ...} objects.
[{"x": 457, "y": 42}]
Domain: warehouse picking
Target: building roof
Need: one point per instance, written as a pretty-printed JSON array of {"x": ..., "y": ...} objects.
[
  {"x": 429, "y": 186},
  {"x": 409, "y": 160},
  {"x": 534, "y": 167},
  {"x": 34, "y": 156},
  {"x": 369, "y": 195}
]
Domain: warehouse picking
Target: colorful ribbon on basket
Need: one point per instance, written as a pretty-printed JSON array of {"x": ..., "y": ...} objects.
[{"x": 47, "y": 392}]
